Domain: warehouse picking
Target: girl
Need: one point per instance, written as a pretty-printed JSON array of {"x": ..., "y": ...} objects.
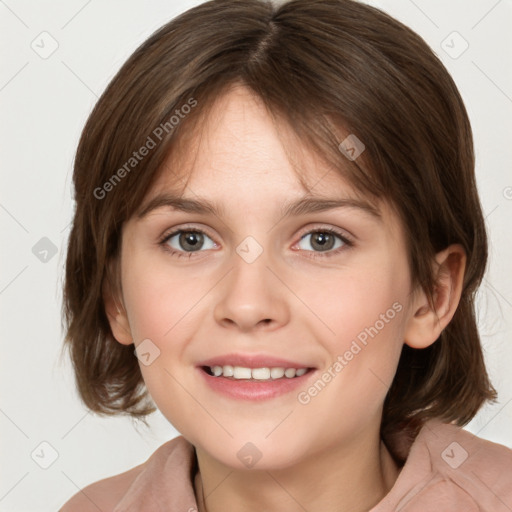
[{"x": 277, "y": 242}]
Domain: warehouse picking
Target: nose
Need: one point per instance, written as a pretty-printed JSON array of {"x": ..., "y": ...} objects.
[{"x": 251, "y": 296}]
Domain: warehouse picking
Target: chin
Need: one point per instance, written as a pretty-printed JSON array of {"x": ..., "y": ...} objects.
[{"x": 246, "y": 452}]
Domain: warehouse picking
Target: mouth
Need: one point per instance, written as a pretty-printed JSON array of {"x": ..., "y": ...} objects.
[
  {"x": 255, "y": 374},
  {"x": 254, "y": 378}
]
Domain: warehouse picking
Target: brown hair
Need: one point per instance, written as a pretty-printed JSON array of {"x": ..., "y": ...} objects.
[{"x": 325, "y": 67}]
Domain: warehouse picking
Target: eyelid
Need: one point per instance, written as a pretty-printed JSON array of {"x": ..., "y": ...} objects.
[
  {"x": 343, "y": 233},
  {"x": 186, "y": 227}
]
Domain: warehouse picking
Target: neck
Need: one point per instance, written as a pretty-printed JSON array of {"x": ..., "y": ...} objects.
[{"x": 342, "y": 479}]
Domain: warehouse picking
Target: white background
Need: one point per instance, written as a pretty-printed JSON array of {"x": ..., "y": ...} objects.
[{"x": 44, "y": 105}]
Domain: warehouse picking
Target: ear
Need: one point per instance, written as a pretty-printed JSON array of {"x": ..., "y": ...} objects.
[
  {"x": 427, "y": 322},
  {"x": 115, "y": 310}
]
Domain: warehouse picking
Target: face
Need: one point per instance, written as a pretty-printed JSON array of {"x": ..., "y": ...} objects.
[{"x": 326, "y": 290}]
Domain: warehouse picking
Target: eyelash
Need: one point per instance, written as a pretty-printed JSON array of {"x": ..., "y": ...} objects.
[{"x": 348, "y": 243}]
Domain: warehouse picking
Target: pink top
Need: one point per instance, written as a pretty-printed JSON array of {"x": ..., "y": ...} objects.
[{"x": 447, "y": 469}]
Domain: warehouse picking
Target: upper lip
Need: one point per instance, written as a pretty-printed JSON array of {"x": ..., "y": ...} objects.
[{"x": 253, "y": 361}]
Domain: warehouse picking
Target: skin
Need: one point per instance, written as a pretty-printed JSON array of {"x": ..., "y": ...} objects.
[{"x": 291, "y": 302}]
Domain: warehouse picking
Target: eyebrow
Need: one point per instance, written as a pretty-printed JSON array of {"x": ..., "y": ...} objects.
[{"x": 300, "y": 207}]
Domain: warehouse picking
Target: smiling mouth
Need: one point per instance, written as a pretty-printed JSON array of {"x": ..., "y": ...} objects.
[{"x": 255, "y": 374}]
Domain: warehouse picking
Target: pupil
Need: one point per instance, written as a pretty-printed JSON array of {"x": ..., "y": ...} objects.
[
  {"x": 191, "y": 240},
  {"x": 323, "y": 240}
]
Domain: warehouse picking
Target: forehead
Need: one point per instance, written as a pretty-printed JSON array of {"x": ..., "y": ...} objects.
[{"x": 239, "y": 147}]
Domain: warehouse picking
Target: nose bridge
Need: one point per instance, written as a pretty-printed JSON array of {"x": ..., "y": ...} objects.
[{"x": 251, "y": 295}]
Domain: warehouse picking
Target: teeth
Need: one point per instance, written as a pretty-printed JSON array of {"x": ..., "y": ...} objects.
[
  {"x": 227, "y": 370},
  {"x": 276, "y": 373},
  {"x": 260, "y": 373},
  {"x": 240, "y": 372}
]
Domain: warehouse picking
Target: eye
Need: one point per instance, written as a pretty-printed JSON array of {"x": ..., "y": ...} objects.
[
  {"x": 327, "y": 241},
  {"x": 184, "y": 241}
]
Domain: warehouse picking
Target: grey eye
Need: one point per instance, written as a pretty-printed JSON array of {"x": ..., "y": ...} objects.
[
  {"x": 322, "y": 241},
  {"x": 189, "y": 241}
]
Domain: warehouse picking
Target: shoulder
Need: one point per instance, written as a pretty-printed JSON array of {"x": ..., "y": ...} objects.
[
  {"x": 468, "y": 464},
  {"x": 103, "y": 494},
  {"x": 451, "y": 469},
  {"x": 489, "y": 461},
  {"x": 450, "y": 447}
]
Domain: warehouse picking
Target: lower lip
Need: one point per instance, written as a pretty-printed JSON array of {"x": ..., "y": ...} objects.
[{"x": 254, "y": 389}]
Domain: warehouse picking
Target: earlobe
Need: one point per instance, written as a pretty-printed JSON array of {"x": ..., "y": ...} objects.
[
  {"x": 117, "y": 316},
  {"x": 428, "y": 321},
  {"x": 119, "y": 325}
]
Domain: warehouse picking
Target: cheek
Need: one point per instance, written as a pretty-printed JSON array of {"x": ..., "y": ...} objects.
[
  {"x": 148, "y": 312},
  {"x": 157, "y": 300},
  {"x": 160, "y": 306},
  {"x": 355, "y": 302},
  {"x": 365, "y": 312}
]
